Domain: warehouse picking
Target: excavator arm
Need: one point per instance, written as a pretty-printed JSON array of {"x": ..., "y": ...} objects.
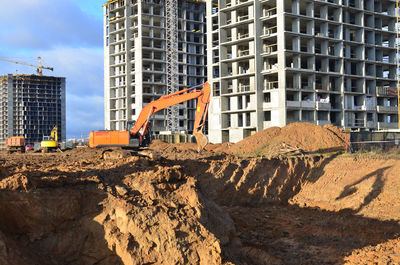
[
  {"x": 203, "y": 100},
  {"x": 54, "y": 134}
]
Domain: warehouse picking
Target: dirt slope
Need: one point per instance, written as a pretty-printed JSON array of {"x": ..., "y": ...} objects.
[{"x": 366, "y": 186}]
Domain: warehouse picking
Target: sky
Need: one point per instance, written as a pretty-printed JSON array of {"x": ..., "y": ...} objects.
[{"x": 68, "y": 35}]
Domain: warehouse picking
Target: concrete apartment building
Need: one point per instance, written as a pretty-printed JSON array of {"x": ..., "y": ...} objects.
[
  {"x": 30, "y": 106},
  {"x": 274, "y": 62},
  {"x": 135, "y": 59}
]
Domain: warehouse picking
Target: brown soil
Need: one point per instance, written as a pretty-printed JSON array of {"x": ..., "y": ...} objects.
[
  {"x": 86, "y": 207},
  {"x": 306, "y": 136}
]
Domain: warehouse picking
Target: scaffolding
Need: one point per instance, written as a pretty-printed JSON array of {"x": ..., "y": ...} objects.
[{"x": 171, "y": 7}]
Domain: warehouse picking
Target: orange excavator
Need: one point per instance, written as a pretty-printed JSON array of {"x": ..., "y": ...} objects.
[{"x": 138, "y": 133}]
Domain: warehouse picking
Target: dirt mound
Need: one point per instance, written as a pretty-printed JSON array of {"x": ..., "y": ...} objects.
[
  {"x": 158, "y": 144},
  {"x": 345, "y": 137},
  {"x": 305, "y": 136},
  {"x": 256, "y": 142}
]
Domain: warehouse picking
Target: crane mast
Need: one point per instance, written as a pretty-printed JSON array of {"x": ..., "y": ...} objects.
[{"x": 171, "y": 12}]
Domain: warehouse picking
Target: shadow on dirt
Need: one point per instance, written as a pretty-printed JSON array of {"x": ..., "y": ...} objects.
[
  {"x": 289, "y": 234},
  {"x": 256, "y": 192},
  {"x": 53, "y": 226},
  {"x": 377, "y": 188}
]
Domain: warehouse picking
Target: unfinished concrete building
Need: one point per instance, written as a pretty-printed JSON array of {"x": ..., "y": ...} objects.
[
  {"x": 31, "y": 105},
  {"x": 135, "y": 59},
  {"x": 274, "y": 62}
]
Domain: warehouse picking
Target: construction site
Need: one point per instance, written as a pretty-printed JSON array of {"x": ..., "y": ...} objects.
[
  {"x": 288, "y": 111},
  {"x": 282, "y": 196}
]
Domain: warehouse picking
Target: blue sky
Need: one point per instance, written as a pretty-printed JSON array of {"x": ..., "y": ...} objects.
[{"x": 68, "y": 35}]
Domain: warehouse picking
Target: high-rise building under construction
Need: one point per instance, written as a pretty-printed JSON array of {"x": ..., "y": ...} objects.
[
  {"x": 30, "y": 106},
  {"x": 135, "y": 59},
  {"x": 274, "y": 62}
]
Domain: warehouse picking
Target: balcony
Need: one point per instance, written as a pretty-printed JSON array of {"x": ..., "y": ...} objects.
[
  {"x": 307, "y": 104},
  {"x": 270, "y": 31},
  {"x": 292, "y": 104},
  {"x": 371, "y": 124},
  {"x": 362, "y": 107},
  {"x": 271, "y": 85},
  {"x": 323, "y": 106},
  {"x": 269, "y": 12},
  {"x": 242, "y": 18},
  {"x": 215, "y": 43},
  {"x": 386, "y": 91},
  {"x": 242, "y": 36},
  {"x": 392, "y": 109},
  {"x": 244, "y": 88},
  {"x": 387, "y": 125},
  {"x": 271, "y": 68},
  {"x": 243, "y": 53}
]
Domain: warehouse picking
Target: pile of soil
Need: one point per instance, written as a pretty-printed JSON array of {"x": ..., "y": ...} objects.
[{"x": 306, "y": 136}]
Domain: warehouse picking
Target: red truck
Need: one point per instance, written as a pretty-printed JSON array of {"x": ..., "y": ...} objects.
[{"x": 15, "y": 144}]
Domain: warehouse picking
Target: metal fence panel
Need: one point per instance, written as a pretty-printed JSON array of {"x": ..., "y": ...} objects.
[{"x": 369, "y": 141}]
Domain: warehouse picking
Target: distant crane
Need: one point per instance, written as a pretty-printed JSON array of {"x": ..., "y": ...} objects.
[{"x": 39, "y": 68}]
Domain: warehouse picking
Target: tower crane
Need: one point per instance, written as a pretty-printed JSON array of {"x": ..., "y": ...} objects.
[{"x": 39, "y": 68}]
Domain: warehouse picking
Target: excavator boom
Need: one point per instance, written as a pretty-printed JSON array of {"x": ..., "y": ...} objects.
[
  {"x": 54, "y": 134},
  {"x": 203, "y": 100}
]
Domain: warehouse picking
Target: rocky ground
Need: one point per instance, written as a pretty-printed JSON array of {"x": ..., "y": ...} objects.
[{"x": 101, "y": 206}]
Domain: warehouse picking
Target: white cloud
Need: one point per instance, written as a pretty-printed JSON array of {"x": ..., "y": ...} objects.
[
  {"x": 67, "y": 34},
  {"x": 84, "y": 114},
  {"x": 42, "y": 24},
  {"x": 83, "y": 69}
]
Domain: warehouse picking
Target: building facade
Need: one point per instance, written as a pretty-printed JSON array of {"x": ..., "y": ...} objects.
[
  {"x": 135, "y": 59},
  {"x": 31, "y": 105},
  {"x": 274, "y": 62}
]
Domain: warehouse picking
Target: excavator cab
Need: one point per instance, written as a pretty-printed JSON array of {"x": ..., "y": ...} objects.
[
  {"x": 50, "y": 143},
  {"x": 143, "y": 140},
  {"x": 129, "y": 125}
]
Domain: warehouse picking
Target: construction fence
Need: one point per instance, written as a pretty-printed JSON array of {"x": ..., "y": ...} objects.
[
  {"x": 175, "y": 138},
  {"x": 374, "y": 141}
]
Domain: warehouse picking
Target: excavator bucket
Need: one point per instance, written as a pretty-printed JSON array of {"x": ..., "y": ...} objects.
[{"x": 201, "y": 140}]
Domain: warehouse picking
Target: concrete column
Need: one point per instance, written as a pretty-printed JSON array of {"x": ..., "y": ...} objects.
[
  {"x": 10, "y": 106},
  {"x": 128, "y": 65},
  {"x": 256, "y": 48},
  {"x": 63, "y": 111},
  {"x": 278, "y": 115},
  {"x": 106, "y": 41}
]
